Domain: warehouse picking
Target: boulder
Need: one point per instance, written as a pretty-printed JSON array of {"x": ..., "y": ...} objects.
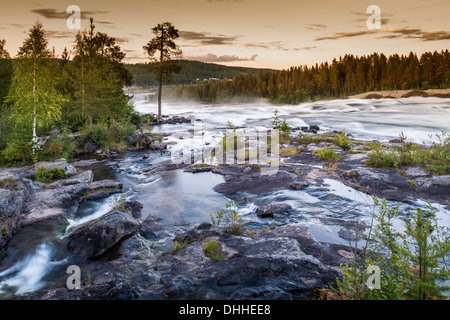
[
  {"x": 257, "y": 183},
  {"x": 95, "y": 238},
  {"x": 267, "y": 211},
  {"x": 84, "y": 177},
  {"x": 90, "y": 147},
  {"x": 70, "y": 170}
]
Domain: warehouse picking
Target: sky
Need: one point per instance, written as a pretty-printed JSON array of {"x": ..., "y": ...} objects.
[{"x": 274, "y": 34}]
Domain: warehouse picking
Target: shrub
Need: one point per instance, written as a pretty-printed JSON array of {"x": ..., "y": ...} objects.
[
  {"x": 212, "y": 250},
  {"x": 232, "y": 220},
  {"x": 328, "y": 154},
  {"x": 435, "y": 159},
  {"x": 411, "y": 263},
  {"x": 341, "y": 140},
  {"x": 45, "y": 176},
  {"x": 100, "y": 135}
]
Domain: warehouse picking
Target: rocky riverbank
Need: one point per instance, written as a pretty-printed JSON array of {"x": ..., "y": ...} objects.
[{"x": 284, "y": 261}]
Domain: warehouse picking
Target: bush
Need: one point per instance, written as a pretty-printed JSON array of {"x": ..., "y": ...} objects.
[
  {"x": 341, "y": 140},
  {"x": 232, "y": 220},
  {"x": 98, "y": 134},
  {"x": 411, "y": 263},
  {"x": 328, "y": 154},
  {"x": 435, "y": 159},
  {"x": 212, "y": 250},
  {"x": 45, "y": 176}
]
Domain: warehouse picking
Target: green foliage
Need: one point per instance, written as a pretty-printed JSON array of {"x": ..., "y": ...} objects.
[
  {"x": 284, "y": 128},
  {"x": 212, "y": 250},
  {"x": 435, "y": 159},
  {"x": 411, "y": 263},
  {"x": 177, "y": 245},
  {"x": 313, "y": 138},
  {"x": 228, "y": 217},
  {"x": 341, "y": 140},
  {"x": 98, "y": 134},
  {"x": 119, "y": 203},
  {"x": 328, "y": 154},
  {"x": 276, "y": 122},
  {"x": 342, "y": 77},
  {"x": 45, "y": 176}
]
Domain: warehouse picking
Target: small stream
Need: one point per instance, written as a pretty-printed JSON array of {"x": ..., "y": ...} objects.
[{"x": 37, "y": 256}]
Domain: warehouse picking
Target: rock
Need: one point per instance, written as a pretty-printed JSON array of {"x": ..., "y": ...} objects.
[
  {"x": 140, "y": 140},
  {"x": 101, "y": 189},
  {"x": 158, "y": 146},
  {"x": 45, "y": 203},
  {"x": 95, "y": 238},
  {"x": 84, "y": 177},
  {"x": 90, "y": 147},
  {"x": 283, "y": 263},
  {"x": 60, "y": 163},
  {"x": 269, "y": 210},
  {"x": 237, "y": 182}
]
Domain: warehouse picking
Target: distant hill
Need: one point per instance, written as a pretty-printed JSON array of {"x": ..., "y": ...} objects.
[{"x": 192, "y": 72}]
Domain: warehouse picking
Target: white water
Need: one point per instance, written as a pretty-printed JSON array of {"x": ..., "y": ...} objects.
[
  {"x": 381, "y": 119},
  {"x": 28, "y": 273}
]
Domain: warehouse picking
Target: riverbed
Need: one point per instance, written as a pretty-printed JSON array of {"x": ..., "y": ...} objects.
[{"x": 37, "y": 259}]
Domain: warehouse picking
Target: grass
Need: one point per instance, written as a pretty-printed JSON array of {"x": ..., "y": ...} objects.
[
  {"x": 290, "y": 151},
  {"x": 328, "y": 154},
  {"x": 46, "y": 176},
  {"x": 213, "y": 250},
  {"x": 434, "y": 159}
]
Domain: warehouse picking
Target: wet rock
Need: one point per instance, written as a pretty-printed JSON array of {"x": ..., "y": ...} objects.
[
  {"x": 140, "y": 140},
  {"x": 60, "y": 163},
  {"x": 271, "y": 265},
  {"x": 95, "y": 238},
  {"x": 158, "y": 146},
  {"x": 101, "y": 189},
  {"x": 269, "y": 210},
  {"x": 199, "y": 168},
  {"x": 256, "y": 184}
]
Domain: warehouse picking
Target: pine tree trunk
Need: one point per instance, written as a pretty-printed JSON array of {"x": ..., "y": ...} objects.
[{"x": 160, "y": 98}]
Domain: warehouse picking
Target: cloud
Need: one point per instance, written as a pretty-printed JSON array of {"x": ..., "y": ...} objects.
[
  {"x": 206, "y": 38},
  {"x": 210, "y": 57},
  {"x": 395, "y": 33},
  {"x": 305, "y": 48},
  {"x": 49, "y": 13},
  {"x": 315, "y": 26},
  {"x": 52, "y": 34},
  {"x": 276, "y": 45}
]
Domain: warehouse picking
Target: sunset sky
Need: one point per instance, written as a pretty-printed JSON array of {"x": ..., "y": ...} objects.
[{"x": 252, "y": 33}]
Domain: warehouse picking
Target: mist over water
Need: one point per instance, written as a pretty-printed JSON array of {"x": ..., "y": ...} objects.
[{"x": 367, "y": 119}]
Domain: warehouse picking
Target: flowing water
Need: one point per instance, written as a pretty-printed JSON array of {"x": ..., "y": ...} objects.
[{"x": 37, "y": 257}]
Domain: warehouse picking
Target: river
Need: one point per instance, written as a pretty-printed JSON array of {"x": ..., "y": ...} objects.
[{"x": 38, "y": 259}]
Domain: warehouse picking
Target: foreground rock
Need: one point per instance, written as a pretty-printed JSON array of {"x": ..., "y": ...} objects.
[
  {"x": 283, "y": 263},
  {"x": 96, "y": 237},
  {"x": 24, "y": 201}
]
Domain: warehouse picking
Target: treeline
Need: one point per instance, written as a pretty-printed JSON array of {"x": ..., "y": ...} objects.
[
  {"x": 190, "y": 72},
  {"x": 340, "y": 78},
  {"x": 41, "y": 94}
]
